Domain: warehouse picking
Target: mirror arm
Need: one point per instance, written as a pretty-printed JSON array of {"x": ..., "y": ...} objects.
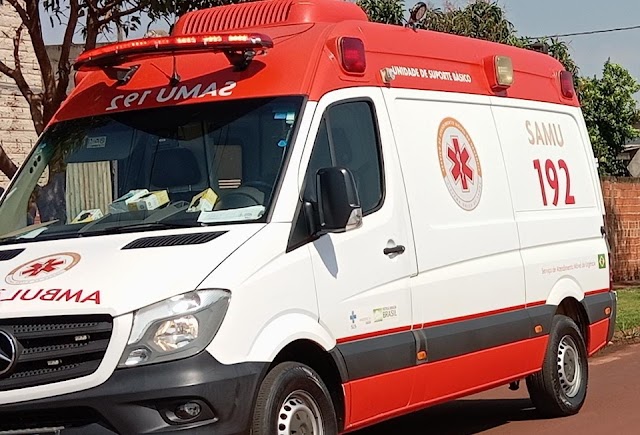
[{"x": 310, "y": 214}]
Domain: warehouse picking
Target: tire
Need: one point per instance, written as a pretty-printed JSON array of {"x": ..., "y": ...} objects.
[
  {"x": 560, "y": 388},
  {"x": 292, "y": 399}
]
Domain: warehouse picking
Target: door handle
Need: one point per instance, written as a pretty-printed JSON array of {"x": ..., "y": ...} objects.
[{"x": 398, "y": 249}]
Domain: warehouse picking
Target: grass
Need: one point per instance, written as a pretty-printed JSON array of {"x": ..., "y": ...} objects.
[{"x": 628, "y": 320}]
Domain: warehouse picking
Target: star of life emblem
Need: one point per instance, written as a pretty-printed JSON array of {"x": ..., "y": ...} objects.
[
  {"x": 42, "y": 268},
  {"x": 459, "y": 164}
]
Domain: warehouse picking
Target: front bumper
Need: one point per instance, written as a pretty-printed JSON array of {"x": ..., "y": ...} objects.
[{"x": 142, "y": 400}]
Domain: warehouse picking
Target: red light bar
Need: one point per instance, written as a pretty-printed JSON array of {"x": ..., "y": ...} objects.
[{"x": 114, "y": 54}]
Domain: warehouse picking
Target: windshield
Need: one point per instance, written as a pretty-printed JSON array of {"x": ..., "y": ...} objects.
[{"x": 181, "y": 166}]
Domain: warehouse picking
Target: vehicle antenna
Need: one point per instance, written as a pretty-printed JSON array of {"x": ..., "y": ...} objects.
[{"x": 175, "y": 77}]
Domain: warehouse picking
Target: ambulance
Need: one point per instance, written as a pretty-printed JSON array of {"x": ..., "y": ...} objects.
[{"x": 282, "y": 218}]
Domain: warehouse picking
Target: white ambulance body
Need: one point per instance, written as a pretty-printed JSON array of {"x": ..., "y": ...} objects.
[{"x": 396, "y": 218}]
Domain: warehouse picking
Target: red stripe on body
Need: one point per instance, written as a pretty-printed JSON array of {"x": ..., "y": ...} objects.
[
  {"x": 453, "y": 320},
  {"x": 595, "y": 292},
  {"x": 377, "y": 398},
  {"x": 436, "y": 323},
  {"x": 472, "y": 316},
  {"x": 373, "y": 334}
]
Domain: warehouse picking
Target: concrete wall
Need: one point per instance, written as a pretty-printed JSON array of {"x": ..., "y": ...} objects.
[{"x": 622, "y": 201}]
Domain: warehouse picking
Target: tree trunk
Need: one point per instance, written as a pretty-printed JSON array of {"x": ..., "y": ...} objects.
[
  {"x": 93, "y": 29},
  {"x": 7, "y": 166}
]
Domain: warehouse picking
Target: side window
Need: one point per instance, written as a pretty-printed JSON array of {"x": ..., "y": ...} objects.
[{"x": 348, "y": 137}]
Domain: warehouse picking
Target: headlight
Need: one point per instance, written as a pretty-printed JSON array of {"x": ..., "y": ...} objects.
[{"x": 175, "y": 328}]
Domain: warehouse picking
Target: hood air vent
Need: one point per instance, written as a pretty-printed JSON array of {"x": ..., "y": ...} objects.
[
  {"x": 9, "y": 255},
  {"x": 174, "y": 240}
]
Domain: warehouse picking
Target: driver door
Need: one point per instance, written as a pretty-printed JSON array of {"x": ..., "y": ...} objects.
[{"x": 362, "y": 275}]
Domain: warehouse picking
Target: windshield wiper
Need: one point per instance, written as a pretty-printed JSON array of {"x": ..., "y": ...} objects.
[
  {"x": 120, "y": 229},
  {"x": 20, "y": 235}
]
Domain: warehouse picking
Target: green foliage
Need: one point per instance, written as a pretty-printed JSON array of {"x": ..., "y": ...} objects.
[
  {"x": 560, "y": 50},
  {"x": 163, "y": 9},
  {"x": 608, "y": 104},
  {"x": 383, "y": 11},
  {"x": 479, "y": 19},
  {"x": 482, "y": 19},
  {"x": 610, "y": 112},
  {"x": 628, "y": 310}
]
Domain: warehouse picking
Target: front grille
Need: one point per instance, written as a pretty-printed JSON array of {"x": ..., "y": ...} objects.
[{"x": 55, "y": 349}]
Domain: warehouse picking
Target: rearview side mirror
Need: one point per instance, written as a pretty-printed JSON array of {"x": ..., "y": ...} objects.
[{"x": 339, "y": 207}]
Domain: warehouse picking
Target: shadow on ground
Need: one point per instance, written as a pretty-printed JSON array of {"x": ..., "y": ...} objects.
[{"x": 461, "y": 417}]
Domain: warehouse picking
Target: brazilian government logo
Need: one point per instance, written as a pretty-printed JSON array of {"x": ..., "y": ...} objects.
[{"x": 602, "y": 261}]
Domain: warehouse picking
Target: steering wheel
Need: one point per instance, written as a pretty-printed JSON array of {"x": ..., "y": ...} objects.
[{"x": 233, "y": 200}]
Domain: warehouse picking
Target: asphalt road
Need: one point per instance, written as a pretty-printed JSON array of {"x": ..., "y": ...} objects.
[{"x": 612, "y": 407}]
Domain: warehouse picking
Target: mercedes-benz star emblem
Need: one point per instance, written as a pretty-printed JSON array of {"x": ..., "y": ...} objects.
[{"x": 8, "y": 353}]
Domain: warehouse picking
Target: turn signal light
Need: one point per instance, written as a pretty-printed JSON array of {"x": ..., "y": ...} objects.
[
  {"x": 607, "y": 311},
  {"x": 353, "y": 55},
  {"x": 499, "y": 71},
  {"x": 504, "y": 71}
]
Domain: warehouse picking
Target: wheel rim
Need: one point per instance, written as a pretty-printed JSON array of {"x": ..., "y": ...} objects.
[
  {"x": 569, "y": 368},
  {"x": 300, "y": 415}
]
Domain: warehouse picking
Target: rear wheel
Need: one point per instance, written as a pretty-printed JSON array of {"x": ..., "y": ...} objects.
[
  {"x": 293, "y": 400},
  {"x": 560, "y": 388}
]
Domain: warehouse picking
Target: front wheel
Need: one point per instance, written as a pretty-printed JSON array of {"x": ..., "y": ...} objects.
[
  {"x": 293, "y": 400},
  {"x": 560, "y": 388}
]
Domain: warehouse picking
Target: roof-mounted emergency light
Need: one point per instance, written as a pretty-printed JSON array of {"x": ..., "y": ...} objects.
[
  {"x": 566, "y": 84},
  {"x": 416, "y": 14},
  {"x": 499, "y": 70},
  {"x": 352, "y": 55},
  {"x": 240, "y": 49}
]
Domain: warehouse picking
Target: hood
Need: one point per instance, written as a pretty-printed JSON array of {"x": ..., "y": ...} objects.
[{"x": 113, "y": 274}]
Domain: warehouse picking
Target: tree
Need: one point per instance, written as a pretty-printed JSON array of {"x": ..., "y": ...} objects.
[
  {"x": 482, "y": 19},
  {"x": 479, "y": 19},
  {"x": 92, "y": 18},
  {"x": 610, "y": 112},
  {"x": 6, "y": 164},
  {"x": 383, "y": 11},
  {"x": 176, "y": 8}
]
